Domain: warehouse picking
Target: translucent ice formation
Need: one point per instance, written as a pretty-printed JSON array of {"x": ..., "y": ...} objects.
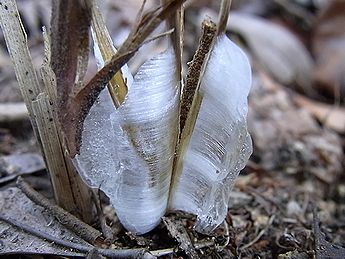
[
  {"x": 220, "y": 145},
  {"x": 128, "y": 153}
]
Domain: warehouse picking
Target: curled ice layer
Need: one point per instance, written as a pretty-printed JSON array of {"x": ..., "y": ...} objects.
[
  {"x": 128, "y": 153},
  {"x": 220, "y": 145}
]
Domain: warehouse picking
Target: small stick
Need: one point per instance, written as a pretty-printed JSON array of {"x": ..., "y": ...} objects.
[
  {"x": 113, "y": 253},
  {"x": 82, "y": 229},
  {"x": 223, "y": 16}
]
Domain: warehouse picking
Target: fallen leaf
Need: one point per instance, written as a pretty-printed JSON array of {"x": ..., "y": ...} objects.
[
  {"x": 14, "y": 165},
  {"x": 330, "y": 116},
  {"x": 15, "y": 205},
  {"x": 287, "y": 137}
]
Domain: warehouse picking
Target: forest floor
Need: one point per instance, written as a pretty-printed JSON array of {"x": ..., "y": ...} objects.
[{"x": 289, "y": 201}]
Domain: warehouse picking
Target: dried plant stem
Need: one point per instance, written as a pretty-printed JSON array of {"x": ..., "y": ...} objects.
[
  {"x": 71, "y": 193},
  {"x": 16, "y": 41},
  {"x": 52, "y": 150},
  {"x": 223, "y": 15},
  {"x": 117, "y": 85},
  {"x": 176, "y": 22},
  {"x": 67, "y": 187},
  {"x": 82, "y": 229},
  {"x": 195, "y": 70},
  {"x": 191, "y": 97}
]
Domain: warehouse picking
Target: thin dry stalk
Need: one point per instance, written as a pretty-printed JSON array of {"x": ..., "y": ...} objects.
[
  {"x": 223, "y": 15},
  {"x": 16, "y": 41},
  {"x": 195, "y": 70},
  {"x": 117, "y": 85},
  {"x": 191, "y": 97},
  {"x": 69, "y": 191}
]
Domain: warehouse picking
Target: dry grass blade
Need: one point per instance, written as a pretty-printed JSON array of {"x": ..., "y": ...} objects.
[
  {"x": 41, "y": 111},
  {"x": 16, "y": 42},
  {"x": 52, "y": 149},
  {"x": 176, "y": 22},
  {"x": 69, "y": 46},
  {"x": 117, "y": 85},
  {"x": 223, "y": 15},
  {"x": 79, "y": 105}
]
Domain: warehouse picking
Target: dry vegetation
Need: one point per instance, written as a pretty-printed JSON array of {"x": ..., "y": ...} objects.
[{"x": 289, "y": 202}]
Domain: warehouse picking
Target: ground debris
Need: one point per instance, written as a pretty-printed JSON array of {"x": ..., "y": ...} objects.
[
  {"x": 16, "y": 206},
  {"x": 287, "y": 137},
  {"x": 15, "y": 165},
  {"x": 323, "y": 248},
  {"x": 178, "y": 231}
]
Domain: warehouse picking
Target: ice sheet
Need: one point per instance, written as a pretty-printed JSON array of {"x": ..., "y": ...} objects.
[
  {"x": 220, "y": 144},
  {"x": 128, "y": 152}
]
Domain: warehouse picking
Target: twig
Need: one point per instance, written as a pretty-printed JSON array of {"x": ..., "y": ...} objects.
[
  {"x": 113, "y": 253},
  {"x": 178, "y": 231},
  {"x": 82, "y": 229},
  {"x": 203, "y": 244},
  {"x": 162, "y": 252},
  {"x": 261, "y": 233}
]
